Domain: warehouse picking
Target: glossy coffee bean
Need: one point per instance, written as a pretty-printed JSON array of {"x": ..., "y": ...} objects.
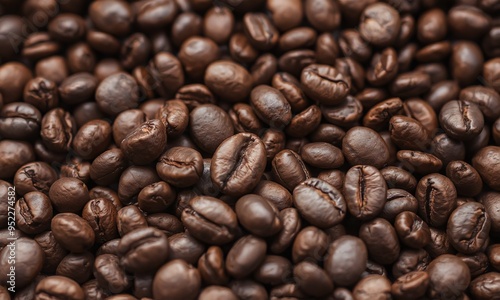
[
  {"x": 461, "y": 120},
  {"x": 271, "y": 106},
  {"x": 59, "y": 287},
  {"x": 485, "y": 161},
  {"x": 319, "y": 203},
  {"x": 288, "y": 169},
  {"x": 245, "y": 256},
  {"x": 372, "y": 233},
  {"x": 325, "y": 84},
  {"x": 228, "y": 80},
  {"x": 372, "y": 286},
  {"x": 468, "y": 227},
  {"x": 346, "y": 260},
  {"x": 419, "y": 162},
  {"x": 485, "y": 286},
  {"x": 19, "y": 121},
  {"x": 364, "y": 146},
  {"x": 101, "y": 215},
  {"x": 109, "y": 274},
  {"x": 258, "y": 215},
  {"x": 379, "y": 24},
  {"x": 145, "y": 143},
  {"x": 238, "y": 164},
  {"x": 129, "y": 218},
  {"x": 465, "y": 178},
  {"x": 436, "y": 197},
  {"x": 260, "y": 31},
  {"x": 205, "y": 120},
  {"x": 448, "y": 276},
  {"x": 210, "y": 220},
  {"x": 274, "y": 270},
  {"x": 185, "y": 247},
  {"x": 92, "y": 139},
  {"x": 211, "y": 266},
  {"x": 411, "y": 285},
  {"x": 365, "y": 191},
  {"x": 72, "y": 232},
  {"x": 117, "y": 93},
  {"x": 76, "y": 266},
  {"x": 412, "y": 230}
]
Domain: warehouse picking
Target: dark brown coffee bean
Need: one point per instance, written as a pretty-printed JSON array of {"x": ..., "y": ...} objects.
[
  {"x": 297, "y": 38},
  {"x": 245, "y": 256},
  {"x": 383, "y": 68},
  {"x": 319, "y": 203},
  {"x": 410, "y": 84},
  {"x": 194, "y": 95},
  {"x": 461, "y": 119},
  {"x": 77, "y": 267},
  {"x": 412, "y": 230},
  {"x": 346, "y": 114},
  {"x": 112, "y": 17},
  {"x": 466, "y": 62},
  {"x": 92, "y": 139},
  {"x": 398, "y": 201},
  {"x": 419, "y": 162},
  {"x": 258, "y": 215},
  {"x": 365, "y": 191},
  {"x": 465, "y": 178},
  {"x": 412, "y": 285},
  {"x": 196, "y": 54},
  {"x": 238, "y": 164},
  {"x": 289, "y": 169},
  {"x": 291, "y": 226},
  {"x": 379, "y": 24},
  {"x": 41, "y": 93},
  {"x": 271, "y": 106},
  {"x": 72, "y": 232},
  {"x": 101, "y": 215},
  {"x": 145, "y": 143},
  {"x": 408, "y": 133},
  {"x": 204, "y": 121},
  {"x": 59, "y": 287},
  {"x": 310, "y": 244},
  {"x": 449, "y": 277},
  {"x": 486, "y": 98},
  {"x": 211, "y": 266},
  {"x": 325, "y": 84},
  {"x": 117, "y": 93},
  {"x": 468, "y": 227},
  {"x": 260, "y": 31},
  {"x": 166, "y": 281},
  {"x": 33, "y": 213},
  {"x": 478, "y": 22},
  {"x": 346, "y": 260},
  {"x": 432, "y": 26},
  {"x": 264, "y": 68},
  {"x": 381, "y": 240},
  {"x": 485, "y": 162},
  {"x": 312, "y": 279},
  {"x": 228, "y": 80},
  {"x": 436, "y": 197},
  {"x": 485, "y": 286},
  {"x": 363, "y": 145}
]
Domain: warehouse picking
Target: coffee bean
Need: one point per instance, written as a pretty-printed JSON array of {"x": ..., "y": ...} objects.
[
  {"x": 238, "y": 164},
  {"x": 346, "y": 260},
  {"x": 211, "y": 266},
  {"x": 468, "y": 227},
  {"x": 372, "y": 286},
  {"x": 310, "y": 244},
  {"x": 485, "y": 162},
  {"x": 419, "y": 162},
  {"x": 72, "y": 232},
  {"x": 109, "y": 274},
  {"x": 274, "y": 270},
  {"x": 485, "y": 286},
  {"x": 325, "y": 84},
  {"x": 258, "y": 215},
  {"x": 59, "y": 286},
  {"x": 289, "y": 169},
  {"x": 117, "y": 93},
  {"x": 206, "y": 119},
  {"x": 185, "y": 247},
  {"x": 412, "y": 230},
  {"x": 365, "y": 191},
  {"x": 319, "y": 203},
  {"x": 210, "y": 220},
  {"x": 448, "y": 276},
  {"x": 245, "y": 256},
  {"x": 372, "y": 232},
  {"x": 33, "y": 213},
  {"x": 436, "y": 197},
  {"x": 271, "y": 106},
  {"x": 260, "y": 31},
  {"x": 291, "y": 225},
  {"x": 101, "y": 215}
]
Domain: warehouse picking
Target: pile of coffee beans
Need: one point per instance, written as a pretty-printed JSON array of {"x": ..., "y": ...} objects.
[{"x": 249, "y": 149}]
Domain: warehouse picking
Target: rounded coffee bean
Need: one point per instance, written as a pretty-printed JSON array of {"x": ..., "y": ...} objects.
[
  {"x": 166, "y": 72},
  {"x": 101, "y": 215},
  {"x": 323, "y": 15},
  {"x": 412, "y": 230},
  {"x": 41, "y": 93},
  {"x": 465, "y": 178},
  {"x": 468, "y": 227},
  {"x": 319, "y": 203},
  {"x": 486, "y": 161},
  {"x": 410, "y": 84},
  {"x": 466, "y": 62},
  {"x": 143, "y": 250},
  {"x": 185, "y": 247},
  {"x": 381, "y": 241},
  {"x": 398, "y": 201},
  {"x": 419, "y": 162},
  {"x": 92, "y": 139},
  {"x": 109, "y": 274},
  {"x": 156, "y": 197},
  {"x": 33, "y": 213},
  {"x": 13, "y": 78},
  {"x": 322, "y": 155},
  {"x": 245, "y": 256},
  {"x": 76, "y": 266},
  {"x": 312, "y": 279},
  {"x": 372, "y": 287},
  {"x": 449, "y": 277},
  {"x": 399, "y": 178},
  {"x": 196, "y": 54},
  {"x": 69, "y": 194},
  {"x": 436, "y": 197},
  {"x": 19, "y": 120},
  {"x": 258, "y": 215},
  {"x": 260, "y": 31},
  {"x": 461, "y": 120},
  {"x": 274, "y": 270},
  {"x": 211, "y": 266},
  {"x": 408, "y": 133},
  {"x": 126, "y": 122},
  {"x": 72, "y": 232},
  {"x": 107, "y": 167},
  {"x": 14, "y": 155},
  {"x": 289, "y": 169},
  {"x": 346, "y": 260},
  {"x": 485, "y": 286},
  {"x": 379, "y": 115},
  {"x": 291, "y": 225},
  {"x": 423, "y": 112},
  {"x": 34, "y": 176},
  {"x": 365, "y": 192},
  {"x": 58, "y": 287},
  {"x": 117, "y": 93},
  {"x": 379, "y": 24},
  {"x": 310, "y": 244},
  {"x": 364, "y": 146},
  {"x": 228, "y": 80},
  {"x": 145, "y": 143},
  {"x": 112, "y": 17},
  {"x": 271, "y": 106},
  {"x": 244, "y": 119},
  {"x": 325, "y": 84},
  {"x": 477, "y": 263},
  {"x": 238, "y": 164},
  {"x": 175, "y": 116},
  {"x": 218, "y": 24},
  {"x": 411, "y": 285},
  {"x": 478, "y": 22},
  {"x": 217, "y": 292},
  {"x": 210, "y": 220},
  {"x": 129, "y": 218},
  {"x": 304, "y": 122},
  {"x": 209, "y": 125},
  {"x": 57, "y": 130}
]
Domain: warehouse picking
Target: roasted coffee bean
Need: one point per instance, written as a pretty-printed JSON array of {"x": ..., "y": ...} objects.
[
  {"x": 245, "y": 256},
  {"x": 419, "y": 162},
  {"x": 41, "y": 93},
  {"x": 322, "y": 155},
  {"x": 260, "y": 31},
  {"x": 346, "y": 260},
  {"x": 398, "y": 201},
  {"x": 372, "y": 286},
  {"x": 145, "y": 143},
  {"x": 436, "y": 197},
  {"x": 156, "y": 197},
  {"x": 35, "y": 176},
  {"x": 379, "y": 24},
  {"x": 101, "y": 215},
  {"x": 319, "y": 203},
  {"x": 112, "y": 17},
  {"x": 289, "y": 86},
  {"x": 485, "y": 161},
  {"x": 185, "y": 247},
  {"x": 166, "y": 281},
  {"x": 461, "y": 119},
  {"x": 205, "y": 120},
  {"x": 310, "y": 244},
  {"x": 59, "y": 287},
  {"x": 264, "y": 68},
  {"x": 210, "y": 220},
  {"x": 468, "y": 227},
  {"x": 478, "y": 22},
  {"x": 76, "y": 266},
  {"x": 297, "y": 38},
  {"x": 412, "y": 285},
  {"x": 211, "y": 266},
  {"x": 477, "y": 263},
  {"x": 92, "y": 139},
  {"x": 408, "y": 133},
  {"x": 289, "y": 169},
  {"x": 420, "y": 110},
  {"x": 228, "y": 80},
  {"x": 291, "y": 225},
  {"x": 130, "y": 218},
  {"x": 238, "y": 164},
  {"x": 466, "y": 179},
  {"x": 196, "y": 54},
  {"x": 466, "y": 56},
  {"x": 19, "y": 121},
  {"x": 399, "y": 178},
  {"x": 485, "y": 286},
  {"x": 166, "y": 73},
  {"x": 69, "y": 195},
  {"x": 412, "y": 230},
  {"x": 362, "y": 145},
  {"x": 410, "y": 84},
  {"x": 410, "y": 260},
  {"x": 109, "y": 274},
  {"x": 448, "y": 276},
  {"x": 258, "y": 215},
  {"x": 312, "y": 279},
  {"x": 325, "y": 84},
  {"x": 33, "y": 213},
  {"x": 381, "y": 240},
  {"x": 274, "y": 270},
  {"x": 72, "y": 232},
  {"x": 271, "y": 106},
  {"x": 365, "y": 191}
]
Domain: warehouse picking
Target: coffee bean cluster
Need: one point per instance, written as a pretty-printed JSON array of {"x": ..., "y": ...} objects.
[{"x": 251, "y": 149}]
